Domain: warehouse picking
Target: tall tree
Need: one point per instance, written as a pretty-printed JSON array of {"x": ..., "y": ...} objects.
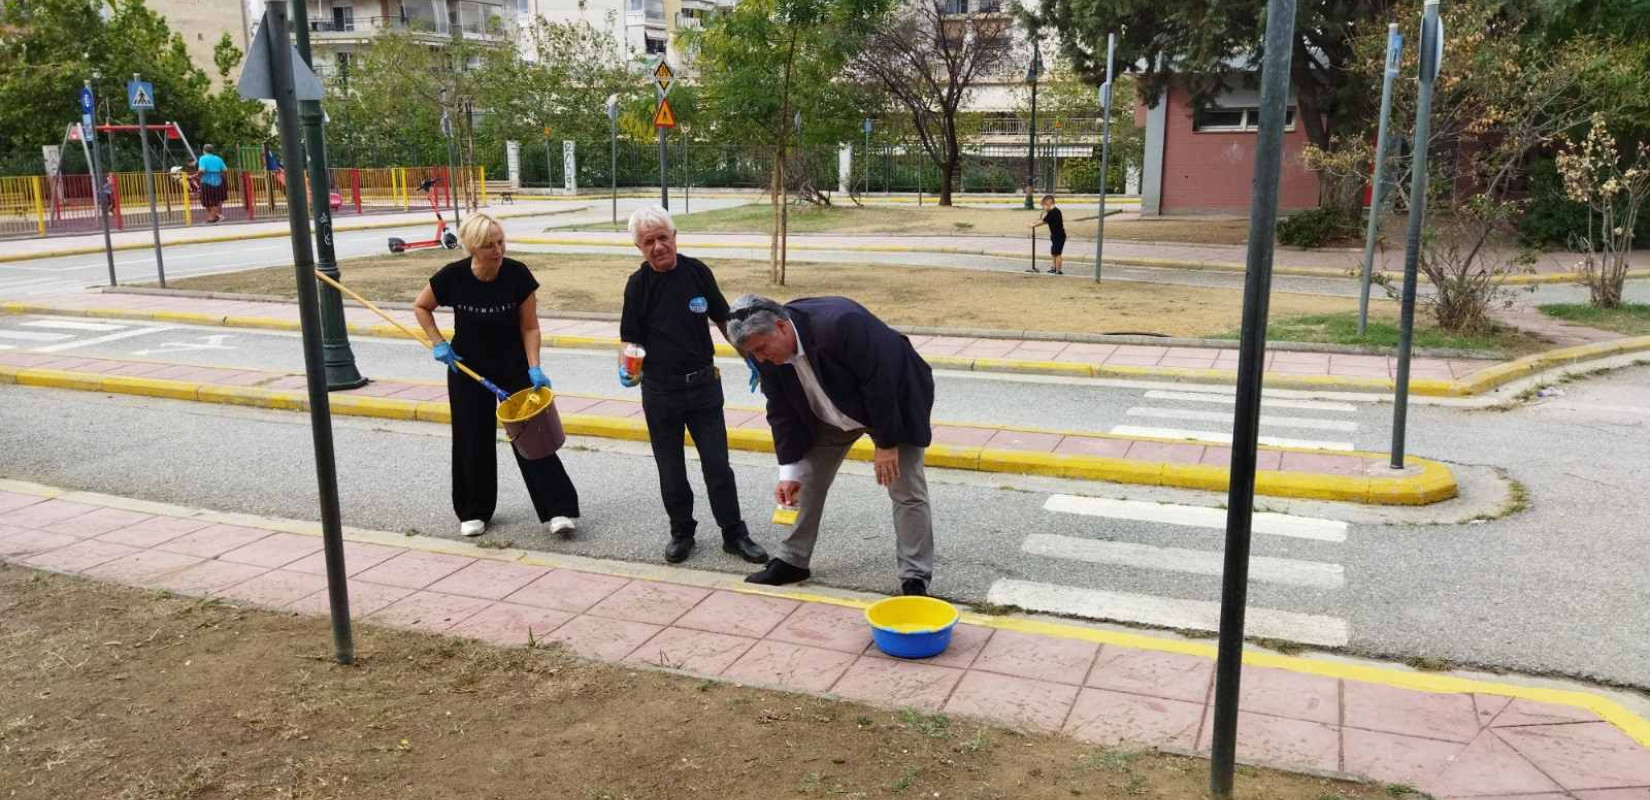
[{"x": 929, "y": 60}]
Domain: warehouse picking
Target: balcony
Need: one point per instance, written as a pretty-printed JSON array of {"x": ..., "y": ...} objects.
[
  {"x": 957, "y": 8},
  {"x": 1015, "y": 127}
]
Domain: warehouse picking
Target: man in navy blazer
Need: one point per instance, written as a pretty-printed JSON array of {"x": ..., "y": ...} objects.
[{"x": 833, "y": 372}]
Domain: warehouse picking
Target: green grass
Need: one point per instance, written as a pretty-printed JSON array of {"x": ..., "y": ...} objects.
[
  {"x": 1632, "y": 319},
  {"x": 1342, "y": 328}
]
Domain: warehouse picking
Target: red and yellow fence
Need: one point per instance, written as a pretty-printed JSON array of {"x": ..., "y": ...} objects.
[{"x": 37, "y": 205}]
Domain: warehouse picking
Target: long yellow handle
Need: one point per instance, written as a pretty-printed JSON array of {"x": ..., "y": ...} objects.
[{"x": 419, "y": 337}]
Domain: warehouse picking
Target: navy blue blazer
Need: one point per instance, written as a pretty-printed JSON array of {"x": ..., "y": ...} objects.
[{"x": 869, "y": 370}]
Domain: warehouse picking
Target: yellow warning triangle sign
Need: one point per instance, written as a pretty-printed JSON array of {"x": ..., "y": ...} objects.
[{"x": 664, "y": 118}]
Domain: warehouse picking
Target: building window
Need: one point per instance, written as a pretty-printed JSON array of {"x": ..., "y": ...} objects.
[
  {"x": 655, "y": 46},
  {"x": 343, "y": 18},
  {"x": 1234, "y": 120},
  {"x": 634, "y": 6}
]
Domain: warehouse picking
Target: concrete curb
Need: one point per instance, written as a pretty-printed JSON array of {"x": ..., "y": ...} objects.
[
  {"x": 1424, "y": 482},
  {"x": 1475, "y": 383}
]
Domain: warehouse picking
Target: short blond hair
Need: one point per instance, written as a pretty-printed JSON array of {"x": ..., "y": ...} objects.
[{"x": 474, "y": 230}]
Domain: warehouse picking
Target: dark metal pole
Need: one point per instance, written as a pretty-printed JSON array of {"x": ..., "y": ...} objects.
[
  {"x": 452, "y": 159},
  {"x": 1430, "y": 51},
  {"x": 549, "y": 166},
  {"x": 149, "y": 181},
  {"x": 1257, "y": 289},
  {"x": 664, "y": 183},
  {"x": 613, "y": 166},
  {"x": 1031, "y": 150},
  {"x": 303, "y": 261},
  {"x": 89, "y": 137},
  {"x": 1105, "y": 151},
  {"x": 1394, "y": 47},
  {"x": 340, "y": 359}
]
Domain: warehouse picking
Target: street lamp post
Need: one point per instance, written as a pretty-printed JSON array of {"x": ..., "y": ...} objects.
[
  {"x": 613, "y": 150},
  {"x": 866, "y": 125},
  {"x": 1032, "y": 73}
]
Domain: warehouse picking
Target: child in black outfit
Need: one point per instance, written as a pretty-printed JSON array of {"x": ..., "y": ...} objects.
[{"x": 1056, "y": 233}]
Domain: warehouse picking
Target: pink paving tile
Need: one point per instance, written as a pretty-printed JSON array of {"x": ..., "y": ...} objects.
[
  {"x": 358, "y": 558},
  {"x": 606, "y": 639},
  {"x": 241, "y": 378},
  {"x": 932, "y": 349},
  {"x": 830, "y": 627},
  {"x": 1488, "y": 766},
  {"x": 1043, "y": 658},
  {"x": 1529, "y": 712},
  {"x": 988, "y": 349},
  {"x": 900, "y": 684},
  {"x": 962, "y": 437},
  {"x": 1142, "y": 351},
  {"x": 948, "y": 341},
  {"x": 421, "y": 393},
  {"x": 96, "y": 523},
  {"x": 141, "y": 567},
  {"x": 431, "y": 612},
  {"x": 1069, "y": 357},
  {"x": 414, "y": 570},
  {"x": 18, "y": 544},
  {"x": 213, "y": 541},
  {"x": 1281, "y": 742},
  {"x": 508, "y": 624},
  {"x": 1037, "y": 351},
  {"x": 276, "y": 588},
  {"x": 1384, "y": 708},
  {"x": 1019, "y": 702},
  {"x": 755, "y": 423},
  {"x": 567, "y": 590},
  {"x": 11, "y": 501},
  {"x": 135, "y": 370},
  {"x": 1582, "y": 755},
  {"x": 1361, "y": 372},
  {"x": 1093, "y": 446},
  {"x": 364, "y": 599},
  {"x": 377, "y": 389},
  {"x": 738, "y": 614},
  {"x": 1172, "y": 452},
  {"x": 1379, "y": 362},
  {"x": 1299, "y": 357},
  {"x": 1322, "y": 463},
  {"x": 40, "y": 515},
  {"x": 493, "y": 580},
  {"x": 1024, "y": 441},
  {"x": 1489, "y": 707},
  {"x": 1187, "y": 363},
  {"x": 81, "y": 555},
  {"x": 615, "y": 408},
  {"x": 1293, "y": 368},
  {"x": 1642, "y": 793},
  {"x": 275, "y": 550},
  {"x": 1130, "y": 361},
  {"x": 733, "y": 417},
  {"x": 790, "y": 666},
  {"x": 207, "y": 577},
  {"x": 1391, "y": 758},
  {"x": 1041, "y": 345},
  {"x": 1296, "y": 695},
  {"x": 1170, "y": 675},
  {"x": 649, "y": 601},
  {"x": 695, "y": 651},
  {"x": 575, "y": 405},
  {"x": 966, "y": 643},
  {"x": 1111, "y": 719}
]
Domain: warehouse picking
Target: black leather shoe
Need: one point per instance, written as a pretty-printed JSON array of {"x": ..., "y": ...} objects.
[
  {"x": 913, "y": 587},
  {"x": 778, "y": 573},
  {"x": 677, "y": 551},
  {"x": 745, "y": 547}
]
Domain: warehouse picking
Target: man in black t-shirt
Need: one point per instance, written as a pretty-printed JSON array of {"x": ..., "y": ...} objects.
[{"x": 668, "y": 304}]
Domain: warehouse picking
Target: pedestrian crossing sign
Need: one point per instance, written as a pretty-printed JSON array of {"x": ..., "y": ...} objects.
[
  {"x": 140, "y": 95},
  {"x": 665, "y": 117}
]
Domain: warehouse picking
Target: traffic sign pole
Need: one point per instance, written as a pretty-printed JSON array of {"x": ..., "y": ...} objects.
[
  {"x": 663, "y": 77},
  {"x": 1105, "y": 151},
  {"x": 1432, "y": 52},
  {"x": 142, "y": 98},
  {"x": 88, "y": 139},
  {"x": 1377, "y": 195}
]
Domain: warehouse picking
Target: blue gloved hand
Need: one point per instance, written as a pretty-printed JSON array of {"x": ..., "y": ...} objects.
[
  {"x": 626, "y": 379},
  {"x": 538, "y": 378},
  {"x": 756, "y": 376},
  {"x": 443, "y": 352}
]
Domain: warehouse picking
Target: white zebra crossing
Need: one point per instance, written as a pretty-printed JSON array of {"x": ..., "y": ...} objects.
[
  {"x": 1264, "y": 522},
  {"x": 1309, "y": 423},
  {"x": 1167, "y": 612},
  {"x": 1221, "y": 437},
  {"x": 1214, "y": 427}
]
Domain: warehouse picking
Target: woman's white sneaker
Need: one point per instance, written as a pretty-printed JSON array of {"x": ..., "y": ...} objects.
[
  {"x": 472, "y": 527},
  {"x": 562, "y": 526}
]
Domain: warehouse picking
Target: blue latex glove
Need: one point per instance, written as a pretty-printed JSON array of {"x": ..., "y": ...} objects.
[
  {"x": 444, "y": 353},
  {"x": 626, "y": 379},
  {"x": 538, "y": 378},
  {"x": 756, "y": 376}
]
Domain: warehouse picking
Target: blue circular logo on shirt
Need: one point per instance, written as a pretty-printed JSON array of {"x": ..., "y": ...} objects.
[{"x": 698, "y": 305}]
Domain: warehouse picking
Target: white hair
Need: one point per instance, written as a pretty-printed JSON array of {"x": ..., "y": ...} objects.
[
  {"x": 650, "y": 217},
  {"x": 752, "y": 314}
]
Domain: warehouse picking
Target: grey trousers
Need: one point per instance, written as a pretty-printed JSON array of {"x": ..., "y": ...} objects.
[{"x": 913, "y": 519}]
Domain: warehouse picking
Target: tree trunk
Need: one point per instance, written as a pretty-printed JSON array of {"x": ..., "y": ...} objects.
[
  {"x": 950, "y": 170},
  {"x": 777, "y": 178}
]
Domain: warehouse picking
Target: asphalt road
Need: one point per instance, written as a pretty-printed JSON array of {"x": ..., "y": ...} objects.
[{"x": 1556, "y": 588}]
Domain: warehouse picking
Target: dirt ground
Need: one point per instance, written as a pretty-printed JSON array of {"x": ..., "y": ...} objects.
[
  {"x": 110, "y": 692},
  {"x": 901, "y": 295},
  {"x": 938, "y": 221}
]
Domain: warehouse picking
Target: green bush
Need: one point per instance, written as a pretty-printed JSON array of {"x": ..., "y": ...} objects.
[
  {"x": 1554, "y": 220},
  {"x": 1078, "y": 175},
  {"x": 1319, "y": 227}
]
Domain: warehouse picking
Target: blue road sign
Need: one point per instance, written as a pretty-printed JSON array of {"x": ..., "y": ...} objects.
[
  {"x": 140, "y": 94},
  {"x": 85, "y": 101}
]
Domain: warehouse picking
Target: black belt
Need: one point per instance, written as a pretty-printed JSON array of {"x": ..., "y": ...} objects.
[{"x": 698, "y": 376}]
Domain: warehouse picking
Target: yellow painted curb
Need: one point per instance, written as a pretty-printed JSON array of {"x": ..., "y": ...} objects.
[
  {"x": 60, "y": 379},
  {"x": 358, "y": 405},
  {"x": 1033, "y": 367},
  {"x": 278, "y": 399},
  {"x": 151, "y": 387},
  {"x": 192, "y": 318}
]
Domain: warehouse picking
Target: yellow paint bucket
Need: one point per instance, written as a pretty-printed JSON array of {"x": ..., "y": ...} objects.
[{"x": 532, "y": 424}]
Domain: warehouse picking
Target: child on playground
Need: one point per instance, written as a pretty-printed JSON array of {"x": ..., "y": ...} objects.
[{"x": 1056, "y": 234}]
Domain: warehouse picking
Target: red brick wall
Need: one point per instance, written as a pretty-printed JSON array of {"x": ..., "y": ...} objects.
[{"x": 1212, "y": 173}]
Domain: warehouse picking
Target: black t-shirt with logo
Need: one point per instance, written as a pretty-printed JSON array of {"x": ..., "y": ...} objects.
[
  {"x": 1056, "y": 223},
  {"x": 487, "y": 315},
  {"x": 668, "y": 313}
]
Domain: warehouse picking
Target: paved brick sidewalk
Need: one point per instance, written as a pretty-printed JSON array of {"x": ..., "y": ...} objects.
[{"x": 1450, "y": 737}]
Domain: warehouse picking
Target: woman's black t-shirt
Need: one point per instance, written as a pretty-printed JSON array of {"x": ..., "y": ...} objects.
[
  {"x": 487, "y": 315},
  {"x": 1056, "y": 223}
]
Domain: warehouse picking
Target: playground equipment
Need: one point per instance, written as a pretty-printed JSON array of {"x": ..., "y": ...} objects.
[{"x": 443, "y": 237}]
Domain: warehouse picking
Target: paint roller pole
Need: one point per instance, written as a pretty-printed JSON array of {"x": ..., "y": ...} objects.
[
  {"x": 149, "y": 181},
  {"x": 1257, "y": 288},
  {"x": 303, "y": 261}
]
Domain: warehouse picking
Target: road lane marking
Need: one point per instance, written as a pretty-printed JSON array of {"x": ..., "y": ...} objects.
[
  {"x": 1265, "y": 522},
  {"x": 1286, "y": 571},
  {"x": 1267, "y": 402},
  {"x": 72, "y": 325},
  {"x": 1216, "y": 437},
  {"x": 35, "y": 336},
  {"x": 58, "y": 348},
  {"x": 1337, "y": 425}
]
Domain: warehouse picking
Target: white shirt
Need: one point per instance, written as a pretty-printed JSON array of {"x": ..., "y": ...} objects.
[{"x": 821, "y": 404}]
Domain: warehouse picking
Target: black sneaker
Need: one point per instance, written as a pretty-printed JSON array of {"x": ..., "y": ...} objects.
[
  {"x": 778, "y": 573},
  {"x": 913, "y": 587},
  {"x": 679, "y": 548}
]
